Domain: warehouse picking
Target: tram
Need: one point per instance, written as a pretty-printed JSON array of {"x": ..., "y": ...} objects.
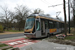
[{"x": 40, "y": 25}]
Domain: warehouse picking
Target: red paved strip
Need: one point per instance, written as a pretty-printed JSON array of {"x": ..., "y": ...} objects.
[
  {"x": 20, "y": 42},
  {"x": 12, "y": 40},
  {"x": 21, "y": 45}
]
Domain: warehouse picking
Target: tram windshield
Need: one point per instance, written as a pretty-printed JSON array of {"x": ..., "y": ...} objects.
[{"x": 29, "y": 23}]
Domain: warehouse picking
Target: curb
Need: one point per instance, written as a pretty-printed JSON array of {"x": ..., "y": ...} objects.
[{"x": 14, "y": 48}]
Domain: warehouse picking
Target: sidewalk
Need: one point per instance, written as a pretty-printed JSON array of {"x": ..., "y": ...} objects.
[
  {"x": 10, "y": 33},
  {"x": 45, "y": 45}
]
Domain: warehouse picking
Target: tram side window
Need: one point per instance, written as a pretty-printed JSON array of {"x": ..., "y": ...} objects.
[
  {"x": 50, "y": 24},
  {"x": 63, "y": 25},
  {"x": 37, "y": 25},
  {"x": 57, "y": 25},
  {"x": 60, "y": 25},
  {"x": 46, "y": 24},
  {"x": 54, "y": 24}
]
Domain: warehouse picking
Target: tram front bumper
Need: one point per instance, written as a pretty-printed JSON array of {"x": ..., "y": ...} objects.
[{"x": 30, "y": 35}]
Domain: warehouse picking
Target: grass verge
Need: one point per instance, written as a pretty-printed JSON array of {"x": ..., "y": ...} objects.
[
  {"x": 14, "y": 30},
  {"x": 7, "y": 48},
  {"x": 2, "y": 45},
  {"x": 71, "y": 37}
]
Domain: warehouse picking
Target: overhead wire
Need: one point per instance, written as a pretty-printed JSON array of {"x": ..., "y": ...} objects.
[
  {"x": 46, "y": 2},
  {"x": 56, "y": 5}
]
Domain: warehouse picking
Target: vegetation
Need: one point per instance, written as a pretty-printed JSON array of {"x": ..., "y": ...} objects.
[
  {"x": 6, "y": 48},
  {"x": 17, "y": 18},
  {"x": 2, "y": 45},
  {"x": 21, "y": 13},
  {"x": 26, "y": 37},
  {"x": 1, "y": 28},
  {"x": 71, "y": 37},
  {"x": 37, "y": 11},
  {"x": 14, "y": 30},
  {"x": 72, "y": 22}
]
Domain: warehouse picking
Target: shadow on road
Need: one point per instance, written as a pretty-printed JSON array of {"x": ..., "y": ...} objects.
[
  {"x": 44, "y": 37},
  {"x": 38, "y": 38}
]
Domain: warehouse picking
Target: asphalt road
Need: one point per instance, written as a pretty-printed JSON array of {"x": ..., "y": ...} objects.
[{"x": 11, "y": 35}]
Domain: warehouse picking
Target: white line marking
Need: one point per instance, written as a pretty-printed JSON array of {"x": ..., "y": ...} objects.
[
  {"x": 12, "y": 43},
  {"x": 19, "y": 41}
]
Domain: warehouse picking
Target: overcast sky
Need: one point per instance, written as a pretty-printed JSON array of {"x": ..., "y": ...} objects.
[{"x": 33, "y": 4}]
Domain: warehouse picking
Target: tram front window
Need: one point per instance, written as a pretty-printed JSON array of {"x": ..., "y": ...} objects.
[{"x": 29, "y": 23}]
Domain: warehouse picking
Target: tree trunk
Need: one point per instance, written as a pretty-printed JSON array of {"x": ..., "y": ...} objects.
[{"x": 64, "y": 8}]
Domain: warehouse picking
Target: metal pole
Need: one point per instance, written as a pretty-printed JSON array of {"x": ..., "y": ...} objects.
[{"x": 69, "y": 14}]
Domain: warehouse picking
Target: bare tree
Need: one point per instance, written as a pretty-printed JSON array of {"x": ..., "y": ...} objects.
[
  {"x": 48, "y": 15},
  {"x": 73, "y": 19},
  {"x": 71, "y": 23},
  {"x": 64, "y": 9},
  {"x": 7, "y": 17},
  {"x": 21, "y": 14},
  {"x": 37, "y": 11}
]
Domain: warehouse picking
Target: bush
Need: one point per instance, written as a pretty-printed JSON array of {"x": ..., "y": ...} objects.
[{"x": 1, "y": 28}]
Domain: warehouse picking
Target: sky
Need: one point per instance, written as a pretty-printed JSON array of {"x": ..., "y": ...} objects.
[{"x": 33, "y": 4}]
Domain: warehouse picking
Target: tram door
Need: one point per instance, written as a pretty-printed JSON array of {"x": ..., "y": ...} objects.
[
  {"x": 37, "y": 28},
  {"x": 43, "y": 27}
]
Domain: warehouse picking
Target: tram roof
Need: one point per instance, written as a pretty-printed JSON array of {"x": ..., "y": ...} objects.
[{"x": 43, "y": 15}]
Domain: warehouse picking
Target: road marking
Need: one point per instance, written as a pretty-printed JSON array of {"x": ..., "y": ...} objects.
[
  {"x": 12, "y": 43},
  {"x": 20, "y": 42}
]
